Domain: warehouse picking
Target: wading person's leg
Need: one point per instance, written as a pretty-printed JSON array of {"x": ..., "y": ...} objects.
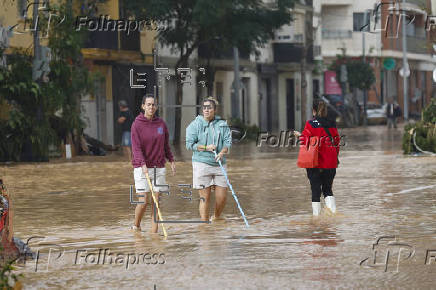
[
  {"x": 204, "y": 203},
  {"x": 202, "y": 180},
  {"x": 141, "y": 189},
  {"x": 327, "y": 177},
  {"x": 154, "y": 214},
  {"x": 315, "y": 184},
  {"x": 140, "y": 210},
  {"x": 220, "y": 200}
]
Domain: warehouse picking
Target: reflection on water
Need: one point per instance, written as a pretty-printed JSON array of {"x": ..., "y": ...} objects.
[{"x": 83, "y": 206}]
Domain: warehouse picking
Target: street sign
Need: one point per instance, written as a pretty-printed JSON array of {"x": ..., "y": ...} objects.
[
  {"x": 434, "y": 75},
  {"x": 389, "y": 63}
]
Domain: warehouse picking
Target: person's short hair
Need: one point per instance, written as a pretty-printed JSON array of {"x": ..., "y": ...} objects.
[
  {"x": 123, "y": 103},
  {"x": 212, "y": 100},
  {"x": 146, "y": 96}
]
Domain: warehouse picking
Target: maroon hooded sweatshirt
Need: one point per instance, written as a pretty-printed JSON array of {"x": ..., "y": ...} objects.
[{"x": 150, "y": 142}]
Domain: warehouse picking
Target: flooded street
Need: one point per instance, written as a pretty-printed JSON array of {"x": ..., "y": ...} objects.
[{"x": 80, "y": 208}]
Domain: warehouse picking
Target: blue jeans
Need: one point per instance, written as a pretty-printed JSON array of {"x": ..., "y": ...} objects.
[{"x": 126, "y": 139}]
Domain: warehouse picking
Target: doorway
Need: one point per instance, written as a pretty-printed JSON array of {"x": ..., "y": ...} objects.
[{"x": 290, "y": 103}]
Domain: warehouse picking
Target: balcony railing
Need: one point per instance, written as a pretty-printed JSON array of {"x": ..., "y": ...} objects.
[
  {"x": 419, "y": 3},
  {"x": 336, "y": 33},
  {"x": 102, "y": 39},
  {"x": 109, "y": 40},
  {"x": 291, "y": 52},
  {"x": 204, "y": 51},
  {"x": 416, "y": 44}
]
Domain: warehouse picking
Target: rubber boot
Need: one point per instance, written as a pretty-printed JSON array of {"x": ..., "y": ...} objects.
[
  {"x": 330, "y": 203},
  {"x": 316, "y": 208}
]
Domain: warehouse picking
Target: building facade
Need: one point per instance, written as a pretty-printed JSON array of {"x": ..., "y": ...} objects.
[{"x": 373, "y": 28}]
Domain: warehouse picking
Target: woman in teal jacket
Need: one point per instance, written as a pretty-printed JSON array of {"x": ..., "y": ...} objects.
[{"x": 206, "y": 134}]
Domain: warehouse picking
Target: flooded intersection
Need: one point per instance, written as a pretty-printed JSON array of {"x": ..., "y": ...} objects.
[{"x": 80, "y": 209}]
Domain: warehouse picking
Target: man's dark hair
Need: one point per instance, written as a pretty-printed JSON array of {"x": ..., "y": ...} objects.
[{"x": 123, "y": 103}]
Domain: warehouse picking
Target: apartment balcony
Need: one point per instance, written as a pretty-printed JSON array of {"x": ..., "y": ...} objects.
[
  {"x": 113, "y": 40},
  {"x": 205, "y": 52},
  {"x": 419, "y": 3},
  {"x": 102, "y": 39},
  {"x": 291, "y": 52},
  {"x": 336, "y": 2},
  {"x": 417, "y": 44},
  {"x": 337, "y": 34}
]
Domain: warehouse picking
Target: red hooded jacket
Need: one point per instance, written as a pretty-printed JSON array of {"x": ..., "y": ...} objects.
[
  {"x": 328, "y": 152},
  {"x": 150, "y": 142}
]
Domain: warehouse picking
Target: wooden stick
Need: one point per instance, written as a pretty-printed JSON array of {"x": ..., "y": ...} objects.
[{"x": 157, "y": 206}]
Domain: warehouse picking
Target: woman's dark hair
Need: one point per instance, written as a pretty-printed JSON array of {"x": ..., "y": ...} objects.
[
  {"x": 146, "y": 96},
  {"x": 212, "y": 100},
  {"x": 320, "y": 107}
]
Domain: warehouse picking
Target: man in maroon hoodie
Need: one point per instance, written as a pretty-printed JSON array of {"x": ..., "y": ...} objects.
[{"x": 150, "y": 148}]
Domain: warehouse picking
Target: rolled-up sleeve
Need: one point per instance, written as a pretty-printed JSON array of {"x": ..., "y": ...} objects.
[
  {"x": 138, "y": 155},
  {"x": 191, "y": 137},
  {"x": 227, "y": 136}
]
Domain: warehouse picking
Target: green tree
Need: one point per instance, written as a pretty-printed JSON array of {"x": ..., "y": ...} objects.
[
  {"x": 35, "y": 108},
  {"x": 24, "y": 97},
  {"x": 186, "y": 24},
  {"x": 360, "y": 74}
]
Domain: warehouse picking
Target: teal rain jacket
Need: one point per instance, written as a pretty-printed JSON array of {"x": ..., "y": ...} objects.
[{"x": 202, "y": 132}]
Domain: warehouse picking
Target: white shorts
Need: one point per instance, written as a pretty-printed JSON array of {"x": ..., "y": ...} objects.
[
  {"x": 141, "y": 183},
  {"x": 205, "y": 175}
]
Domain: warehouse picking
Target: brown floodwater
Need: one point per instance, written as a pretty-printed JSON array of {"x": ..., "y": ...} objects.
[{"x": 79, "y": 208}]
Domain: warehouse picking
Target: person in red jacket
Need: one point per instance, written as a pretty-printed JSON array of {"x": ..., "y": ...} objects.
[
  {"x": 321, "y": 178},
  {"x": 150, "y": 148}
]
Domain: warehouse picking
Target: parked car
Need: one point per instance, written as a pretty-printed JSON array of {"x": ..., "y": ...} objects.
[{"x": 376, "y": 114}]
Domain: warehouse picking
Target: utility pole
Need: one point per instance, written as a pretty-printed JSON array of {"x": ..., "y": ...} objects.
[
  {"x": 236, "y": 84},
  {"x": 303, "y": 64},
  {"x": 365, "y": 93},
  {"x": 306, "y": 100},
  {"x": 36, "y": 66},
  {"x": 405, "y": 67},
  {"x": 36, "y": 46}
]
